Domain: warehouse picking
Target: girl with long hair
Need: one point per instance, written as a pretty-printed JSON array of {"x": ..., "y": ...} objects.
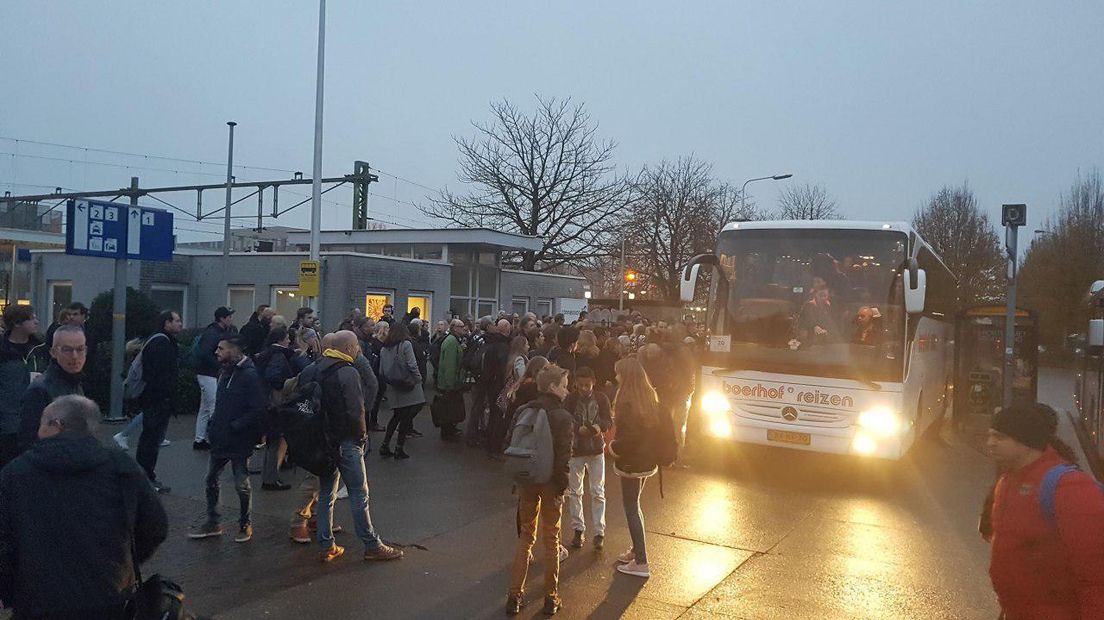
[
  {"x": 636, "y": 417},
  {"x": 397, "y": 360}
]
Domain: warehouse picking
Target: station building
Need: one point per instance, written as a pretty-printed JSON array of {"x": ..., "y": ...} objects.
[{"x": 444, "y": 272}]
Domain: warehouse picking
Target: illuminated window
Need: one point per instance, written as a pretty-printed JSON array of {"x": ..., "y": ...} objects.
[
  {"x": 374, "y": 301},
  {"x": 286, "y": 301},
  {"x": 421, "y": 301}
]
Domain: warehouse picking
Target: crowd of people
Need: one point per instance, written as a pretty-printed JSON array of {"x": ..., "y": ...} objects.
[{"x": 558, "y": 402}]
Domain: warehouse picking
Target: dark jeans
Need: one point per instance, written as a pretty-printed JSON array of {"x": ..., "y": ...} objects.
[
  {"x": 475, "y": 418},
  {"x": 496, "y": 422},
  {"x": 240, "y": 466},
  {"x": 155, "y": 421},
  {"x": 630, "y": 496},
  {"x": 402, "y": 419},
  {"x": 373, "y": 415},
  {"x": 9, "y": 448}
]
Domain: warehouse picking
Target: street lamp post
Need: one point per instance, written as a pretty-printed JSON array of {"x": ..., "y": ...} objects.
[{"x": 743, "y": 189}]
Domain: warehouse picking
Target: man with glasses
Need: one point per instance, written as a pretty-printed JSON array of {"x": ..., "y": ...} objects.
[{"x": 62, "y": 378}]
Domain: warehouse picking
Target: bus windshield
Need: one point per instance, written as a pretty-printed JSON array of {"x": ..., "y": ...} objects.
[{"x": 812, "y": 301}]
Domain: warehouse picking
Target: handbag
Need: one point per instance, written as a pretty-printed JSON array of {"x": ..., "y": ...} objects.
[
  {"x": 157, "y": 597},
  {"x": 397, "y": 374},
  {"x": 448, "y": 408}
]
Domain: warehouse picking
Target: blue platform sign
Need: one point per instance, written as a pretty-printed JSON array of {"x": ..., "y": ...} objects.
[{"x": 113, "y": 230}]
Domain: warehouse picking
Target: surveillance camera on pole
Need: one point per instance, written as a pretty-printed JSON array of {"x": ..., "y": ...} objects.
[{"x": 1012, "y": 217}]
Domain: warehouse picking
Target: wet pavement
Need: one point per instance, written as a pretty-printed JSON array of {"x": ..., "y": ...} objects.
[{"x": 753, "y": 533}]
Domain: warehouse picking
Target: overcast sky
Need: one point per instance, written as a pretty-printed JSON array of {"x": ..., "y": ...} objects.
[{"x": 882, "y": 103}]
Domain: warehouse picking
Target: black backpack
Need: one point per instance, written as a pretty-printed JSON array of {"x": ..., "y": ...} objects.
[
  {"x": 302, "y": 420},
  {"x": 666, "y": 440}
]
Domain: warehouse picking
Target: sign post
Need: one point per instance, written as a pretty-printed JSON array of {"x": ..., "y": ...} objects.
[
  {"x": 1012, "y": 216},
  {"x": 120, "y": 232}
]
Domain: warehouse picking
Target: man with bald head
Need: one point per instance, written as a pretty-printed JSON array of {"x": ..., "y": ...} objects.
[
  {"x": 450, "y": 382},
  {"x": 343, "y": 402},
  {"x": 74, "y": 518}
]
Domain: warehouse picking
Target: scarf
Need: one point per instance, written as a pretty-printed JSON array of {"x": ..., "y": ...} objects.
[{"x": 337, "y": 355}]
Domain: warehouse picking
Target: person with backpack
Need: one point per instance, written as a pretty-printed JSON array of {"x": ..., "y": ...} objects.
[
  {"x": 160, "y": 368},
  {"x": 540, "y": 448},
  {"x": 342, "y": 405},
  {"x": 635, "y": 453},
  {"x": 590, "y": 410},
  {"x": 77, "y": 520},
  {"x": 207, "y": 370},
  {"x": 1047, "y": 521},
  {"x": 234, "y": 429},
  {"x": 399, "y": 368},
  {"x": 276, "y": 364}
]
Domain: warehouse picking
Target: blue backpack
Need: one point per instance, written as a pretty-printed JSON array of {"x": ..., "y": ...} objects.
[{"x": 1048, "y": 491}]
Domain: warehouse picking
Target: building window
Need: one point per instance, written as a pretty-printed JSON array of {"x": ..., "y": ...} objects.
[
  {"x": 374, "y": 301},
  {"x": 171, "y": 297},
  {"x": 474, "y": 282},
  {"x": 241, "y": 299},
  {"x": 286, "y": 302},
  {"x": 520, "y": 305},
  {"x": 423, "y": 302},
  {"x": 399, "y": 250},
  {"x": 428, "y": 251},
  {"x": 544, "y": 308},
  {"x": 61, "y": 295},
  {"x": 486, "y": 308}
]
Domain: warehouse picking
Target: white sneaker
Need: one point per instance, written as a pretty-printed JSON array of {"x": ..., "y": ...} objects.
[
  {"x": 637, "y": 570},
  {"x": 564, "y": 553},
  {"x": 343, "y": 492},
  {"x": 121, "y": 441},
  {"x": 165, "y": 443},
  {"x": 626, "y": 557}
]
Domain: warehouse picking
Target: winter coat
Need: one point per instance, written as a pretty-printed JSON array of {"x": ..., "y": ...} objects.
[
  {"x": 15, "y": 369},
  {"x": 450, "y": 374},
  {"x": 564, "y": 359},
  {"x": 254, "y": 333},
  {"x": 205, "y": 363},
  {"x": 240, "y": 405},
  {"x": 64, "y": 539},
  {"x": 421, "y": 354},
  {"x": 402, "y": 354},
  {"x": 342, "y": 399},
  {"x": 493, "y": 374},
  {"x": 50, "y": 385},
  {"x": 369, "y": 384},
  {"x": 160, "y": 369},
  {"x": 634, "y": 448},
  {"x": 1043, "y": 571},
  {"x": 559, "y": 421},
  {"x": 586, "y": 412}
]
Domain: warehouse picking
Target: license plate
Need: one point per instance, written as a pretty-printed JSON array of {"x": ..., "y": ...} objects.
[{"x": 802, "y": 439}]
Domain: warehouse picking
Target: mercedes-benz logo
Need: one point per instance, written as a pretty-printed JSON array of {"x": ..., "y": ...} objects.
[{"x": 789, "y": 414}]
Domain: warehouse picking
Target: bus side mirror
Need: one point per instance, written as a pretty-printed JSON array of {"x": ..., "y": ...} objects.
[
  {"x": 916, "y": 284},
  {"x": 1095, "y": 339},
  {"x": 689, "y": 283}
]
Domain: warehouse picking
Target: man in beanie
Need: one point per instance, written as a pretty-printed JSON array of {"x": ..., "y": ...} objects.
[{"x": 1047, "y": 521}]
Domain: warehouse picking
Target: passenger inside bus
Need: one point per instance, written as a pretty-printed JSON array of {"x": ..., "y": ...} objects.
[
  {"x": 868, "y": 327},
  {"x": 816, "y": 324}
]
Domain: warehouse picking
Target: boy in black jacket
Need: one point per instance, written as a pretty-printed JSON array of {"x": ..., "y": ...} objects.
[{"x": 591, "y": 413}]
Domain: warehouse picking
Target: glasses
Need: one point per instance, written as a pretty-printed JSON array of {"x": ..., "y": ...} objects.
[{"x": 72, "y": 350}]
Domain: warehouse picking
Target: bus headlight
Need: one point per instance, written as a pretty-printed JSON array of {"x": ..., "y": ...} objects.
[
  {"x": 720, "y": 427},
  {"x": 863, "y": 444},
  {"x": 881, "y": 421},
  {"x": 715, "y": 403}
]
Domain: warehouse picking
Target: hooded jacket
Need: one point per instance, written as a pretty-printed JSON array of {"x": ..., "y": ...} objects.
[
  {"x": 240, "y": 405},
  {"x": 65, "y": 541},
  {"x": 47, "y": 387},
  {"x": 342, "y": 399},
  {"x": 1043, "y": 571},
  {"x": 205, "y": 363}
]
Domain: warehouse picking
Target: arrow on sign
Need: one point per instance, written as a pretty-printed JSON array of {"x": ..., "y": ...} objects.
[{"x": 133, "y": 214}]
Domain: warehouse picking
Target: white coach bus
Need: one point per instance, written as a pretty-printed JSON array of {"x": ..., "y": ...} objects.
[{"x": 830, "y": 336}]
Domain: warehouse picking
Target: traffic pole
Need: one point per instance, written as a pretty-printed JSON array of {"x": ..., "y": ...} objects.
[
  {"x": 118, "y": 327},
  {"x": 1010, "y": 234},
  {"x": 316, "y": 185}
]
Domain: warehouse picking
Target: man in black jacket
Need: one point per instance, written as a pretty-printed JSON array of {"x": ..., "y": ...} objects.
[
  {"x": 592, "y": 419},
  {"x": 207, "y": 371},
  {"x": 544, "y": 501},
  {"x": 234, "y": 430},
  {"x": 62, "y": 377},
  {"x": 18, "y": 344},
  {"x": 75, "y": 519},
  {"x": 343, "y": 402},
  {"x": 493, "y": 379},
  {"x": 160, "y": 370},
  {"x": 256, "y": 329}
]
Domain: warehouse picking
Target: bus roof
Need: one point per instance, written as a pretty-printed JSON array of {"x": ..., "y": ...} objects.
[{"x": 904, "y": 227}]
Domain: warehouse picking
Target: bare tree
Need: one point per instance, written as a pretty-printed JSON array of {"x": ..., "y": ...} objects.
[
  {"x": 544, "y": 174},
  {"x": 806, "y": 202},
  {"x": 1061, "y": 264},
  {"x": 965, "y": 239},
  {"x": 677, "y": 211}
]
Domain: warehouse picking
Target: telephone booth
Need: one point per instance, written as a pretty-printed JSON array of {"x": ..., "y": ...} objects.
[{"x": 979, "y": 360}]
